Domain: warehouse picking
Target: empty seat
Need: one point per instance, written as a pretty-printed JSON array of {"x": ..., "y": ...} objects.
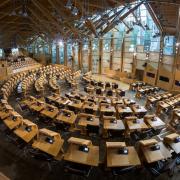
[{"x": 98, "y": 91}]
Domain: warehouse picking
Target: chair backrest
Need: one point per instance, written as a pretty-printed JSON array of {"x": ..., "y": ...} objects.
[
  {"x": 92, "y": 129},
  {"x": 98, "y": 91},
  {"x": 109, "y": 93},
  {"x": 88, "y": 111},
  {"x": 115, "y": 86},
  {"x": 107, "y": 84},
  {"x": 85, "y": 89}
]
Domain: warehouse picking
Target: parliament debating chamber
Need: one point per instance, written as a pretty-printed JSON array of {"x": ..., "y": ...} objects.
[{"x": 89, "y": 89}]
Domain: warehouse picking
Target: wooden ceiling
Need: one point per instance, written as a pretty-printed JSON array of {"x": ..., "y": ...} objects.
[
  {"x": 167, "y": 12},
  {"x": 50, "y": 19}
]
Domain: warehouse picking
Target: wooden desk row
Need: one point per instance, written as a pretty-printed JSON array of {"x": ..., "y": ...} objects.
[
  {"x": 146, "y": 90},
  {"x": 135, "y": 85},
  {"x": 175, "y": 120},
  {"x": 167, "y": 104},
  {"x": 40, "y": 82},
  {"x": 121, "y": 107},
  {"x": 82, "y": 151},
  {"x": 9, "y": 86},
  {"x": 69, "y": 118},
  {"x": 100, "y": 91},
  {"x": 54, "y": 84},
  {"x": 154, "y": 99}
]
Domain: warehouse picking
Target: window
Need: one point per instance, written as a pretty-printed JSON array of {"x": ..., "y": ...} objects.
[
  {"x": 169, "y": 42},
  {"x": 163, "y": 78},
  {"x": 151, "y": 75},
  {"x": 177, "y": 83}
]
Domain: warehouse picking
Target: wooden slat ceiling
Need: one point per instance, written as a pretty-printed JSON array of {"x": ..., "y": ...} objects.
[
  {"x": 167, "y": 14},
  {"x": 50, "y": 19}
]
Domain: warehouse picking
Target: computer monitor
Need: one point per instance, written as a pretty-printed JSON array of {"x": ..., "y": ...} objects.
[
  {"x": 28, "y": 128},
  {"x": 83, "y": 148},
  {"x": 123, "y": 150},
  {"x": 177, "y": 139},
  {"x": 49, "y": 140},
  {"x": 155, "y": 147}
]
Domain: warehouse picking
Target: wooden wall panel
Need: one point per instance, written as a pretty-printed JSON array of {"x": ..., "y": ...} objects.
[
  {"x": 150, "y": 70},
  {"x": 163, "y": 72},
  {"x": 176, "y": 80}
]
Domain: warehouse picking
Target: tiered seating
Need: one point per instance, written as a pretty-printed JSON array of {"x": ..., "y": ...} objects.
[
  {"x": 153, "y": 99},
  {"x": 40, "y": 82},
  {"x": 54, "y": 84},
  {"x": 27, "y": 83},
  {"x": 23, "y": 63},
  {"x": 168, "y": 104},
  {"x": 101, "y": 88},
  {"x": 104, "y": 115},
  {"x": 136, "y": 85},
  {"x": 9, "y": 86},
  {"x": 145, "y": 91}
]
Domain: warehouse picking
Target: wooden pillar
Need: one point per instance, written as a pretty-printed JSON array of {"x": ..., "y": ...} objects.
[
  {"x": 90, "y": 55},
  {"x": 111, "y": 52},
  {"x": 33, "y": 49},
  {"x": 50, "y": 51},
  {"x": 73, "y": 58},
  {"x": 65, "y": 54},
  {"x": 37, "y": 49},
  {"x": 134, "y": 64},
  {"x": 176, "y": 52},
  {"x": 100, "y": 55},
  {"x": 122, "y": 55},
  {"x": 57, "y": 54},
  {"x": 80, "y": 55},
  {"x": 160, "y": 62},
  {"x": 44, "y": 52}
]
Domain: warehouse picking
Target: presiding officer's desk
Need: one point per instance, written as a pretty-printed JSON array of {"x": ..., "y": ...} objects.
[
  {"x": 27, "y": 130},
  {"x": 49, "y": 142},
  {"x": 173, "y": 140},
  {"x": 120, "y": 155},
  {"x": 82, "y": 151}
]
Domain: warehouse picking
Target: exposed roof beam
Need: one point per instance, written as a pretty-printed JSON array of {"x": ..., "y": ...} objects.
[{"x": 154, "y": 17}]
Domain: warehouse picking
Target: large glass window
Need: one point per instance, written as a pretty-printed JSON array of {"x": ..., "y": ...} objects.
[
  {"x": 53, "y": 53},
  {"x": 169, "y": 42}
]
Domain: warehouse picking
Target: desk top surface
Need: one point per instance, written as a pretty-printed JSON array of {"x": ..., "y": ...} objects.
[
  {"x": 114, "y": 159},
  {"x": 90, "y": 158},
  {"x": 116, "y": 125}
]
